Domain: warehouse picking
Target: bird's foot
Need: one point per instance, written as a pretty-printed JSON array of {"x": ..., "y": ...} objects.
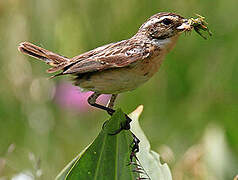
[
  {"x": 126, "y": 126},
  {"x": 123, "y": 126}
]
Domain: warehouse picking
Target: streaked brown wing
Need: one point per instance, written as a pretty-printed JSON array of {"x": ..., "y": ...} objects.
[
  {"x": 78, "y": 58},
  {"x": 116, "y": 55}
]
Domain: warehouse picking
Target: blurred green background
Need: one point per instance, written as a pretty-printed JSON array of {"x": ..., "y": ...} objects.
[{"x": 190, "y": 106}]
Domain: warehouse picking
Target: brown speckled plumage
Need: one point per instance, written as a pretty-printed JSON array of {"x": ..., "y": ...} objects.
[{"x": 120, "y": 66}]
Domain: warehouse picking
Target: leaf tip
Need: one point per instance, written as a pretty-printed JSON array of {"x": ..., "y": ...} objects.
[{"x": 136, "y": 113}]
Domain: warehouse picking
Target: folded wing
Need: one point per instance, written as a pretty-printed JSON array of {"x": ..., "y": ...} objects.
[{"x": 115, "y": 55}]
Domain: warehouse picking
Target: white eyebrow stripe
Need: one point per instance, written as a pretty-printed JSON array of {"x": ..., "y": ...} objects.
[
  {"x": 169, "y": 17},
  {"x": 156, "y": 20},
  {"x": 150, "y": 22}
]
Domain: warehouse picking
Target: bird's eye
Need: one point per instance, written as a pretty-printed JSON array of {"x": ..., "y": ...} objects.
[{"x": 167, "y": 21}]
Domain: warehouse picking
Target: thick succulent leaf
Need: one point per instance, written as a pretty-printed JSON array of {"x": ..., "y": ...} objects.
[
  {"x": 107, "y": 158},
  {"x": 149, "y": 159}
]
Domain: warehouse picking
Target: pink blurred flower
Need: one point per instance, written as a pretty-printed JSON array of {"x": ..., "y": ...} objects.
[{"x": 70, "y": 97}]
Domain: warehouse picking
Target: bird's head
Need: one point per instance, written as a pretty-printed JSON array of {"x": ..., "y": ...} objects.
[{"x": 164, "y": 25}]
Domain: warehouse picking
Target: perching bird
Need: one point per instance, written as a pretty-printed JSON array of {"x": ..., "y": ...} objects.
[{"x": 121, "y": 66}]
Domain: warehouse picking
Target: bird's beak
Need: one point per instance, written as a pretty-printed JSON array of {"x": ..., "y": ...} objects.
[{"x": 185, "y": 26}]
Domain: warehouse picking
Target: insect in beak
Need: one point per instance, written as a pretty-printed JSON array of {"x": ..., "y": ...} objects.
[{"x": 199, "y": 24}]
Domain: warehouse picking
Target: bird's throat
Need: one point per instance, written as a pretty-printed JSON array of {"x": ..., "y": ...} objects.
[{"x": 165, "y": 44}]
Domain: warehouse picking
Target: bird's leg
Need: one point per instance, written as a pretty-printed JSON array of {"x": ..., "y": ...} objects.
[
  {"x": 112, "y": 101},
  {"x": 92, "y": 101},
  {"x": 126, "y": 126}
]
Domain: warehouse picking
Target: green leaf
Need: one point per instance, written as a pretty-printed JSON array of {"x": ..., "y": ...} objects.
[
  {"x": 107, "y": 158},
  {"x": 148, "y": 159}
]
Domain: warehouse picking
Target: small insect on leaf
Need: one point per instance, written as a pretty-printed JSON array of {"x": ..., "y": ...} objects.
[{"x": 199, "y": 24}]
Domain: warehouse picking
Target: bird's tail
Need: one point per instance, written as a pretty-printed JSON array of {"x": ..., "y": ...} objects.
[{"x": 55, "y": 60}]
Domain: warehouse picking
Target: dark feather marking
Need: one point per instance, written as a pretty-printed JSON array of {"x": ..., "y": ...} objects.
[
  {"x": 33, "y": 54},
  {"x": 146, "y": 73}
]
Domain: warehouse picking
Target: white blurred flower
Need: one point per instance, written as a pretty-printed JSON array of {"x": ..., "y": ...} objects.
[{"x": 25, "y": 175}]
